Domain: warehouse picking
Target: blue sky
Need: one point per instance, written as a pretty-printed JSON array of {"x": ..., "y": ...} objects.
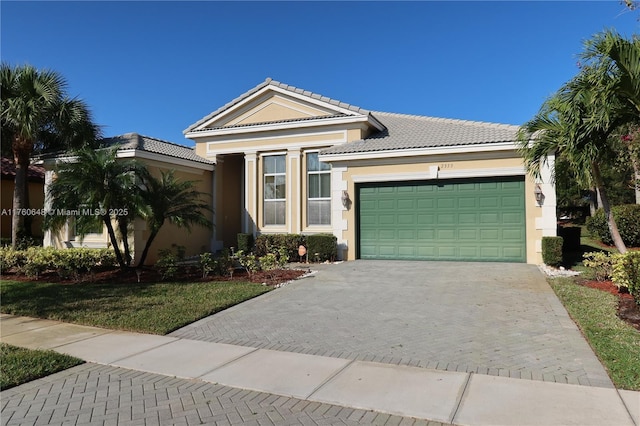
[{"x": 157, "y": 67}]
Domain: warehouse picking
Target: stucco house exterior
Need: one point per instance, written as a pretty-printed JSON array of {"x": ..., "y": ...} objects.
[
  {"x": 279, "y": 159},
  {"x": 388, "y": 186},
  {"x": 157, "y": 155}
]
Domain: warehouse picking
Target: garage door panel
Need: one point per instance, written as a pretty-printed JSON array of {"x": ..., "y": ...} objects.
[{"x": 472, "y": 219}]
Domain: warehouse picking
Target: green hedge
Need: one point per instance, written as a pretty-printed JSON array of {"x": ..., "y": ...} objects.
[
  {"x": 272, "y": 243},
  {"x": 628, "y": 220},
  {"x": 325, "y": 245},
  {"x": 552, "y": 250},
  {"x": 245, "y": 242},
  {"x": 66, "y": 262}
]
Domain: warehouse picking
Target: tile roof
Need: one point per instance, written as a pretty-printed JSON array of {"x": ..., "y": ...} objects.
[
  {"x": 158, "y": 146},
  {"x": 8, "y": 169},
  {"x": 271, "y": 82},
  {"x": 413, "y": 131}
]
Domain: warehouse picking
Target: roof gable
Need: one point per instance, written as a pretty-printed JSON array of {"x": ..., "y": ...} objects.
[{"x": 274, "y": 102}]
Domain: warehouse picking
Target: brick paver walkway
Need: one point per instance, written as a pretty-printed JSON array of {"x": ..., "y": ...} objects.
[
  {"x": 489, "y": 318},
  {"x": 92, "y": 394}
]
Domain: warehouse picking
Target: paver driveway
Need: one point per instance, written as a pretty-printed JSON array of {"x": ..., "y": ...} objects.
[{"x": 490, "y": 318}]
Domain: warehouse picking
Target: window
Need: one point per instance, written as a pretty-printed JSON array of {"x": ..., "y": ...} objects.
[
  {"x": 318, "y": 191},
  {"x": 275, "y": 177}
]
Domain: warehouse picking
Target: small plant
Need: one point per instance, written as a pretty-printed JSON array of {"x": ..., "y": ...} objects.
[
  {"x": 248, "y": 261},
  {"x": 167, "y": 264},
  {"x": 626, "y": 273},
  {"x": 207, "y": 264},
  {"x": 283, "y": 257},
  {"x": 552, "y": 251},
  {"x": 269, "y": 262},
  {"x": 601, "y": 263}
]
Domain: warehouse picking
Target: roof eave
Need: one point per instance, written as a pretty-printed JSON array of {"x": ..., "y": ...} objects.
[
  {"x": 224, "y": 131},
  {"x": 413, "y": 152}
]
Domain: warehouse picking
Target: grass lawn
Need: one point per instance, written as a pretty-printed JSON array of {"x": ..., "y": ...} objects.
[
  {"x": 21, "y": 365},
  {"x": 616, "y": 343},
  {"x": 157, "y": 308}
]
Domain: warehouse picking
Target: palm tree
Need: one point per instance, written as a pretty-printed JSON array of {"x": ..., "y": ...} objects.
[
  {"x": 624, "y": 56},
  {"x": 38, "y": 117},
  {"x": 169, "y": 199},
  {"x": 98, "y": 182},
  {"x": 576, "y": 123}
]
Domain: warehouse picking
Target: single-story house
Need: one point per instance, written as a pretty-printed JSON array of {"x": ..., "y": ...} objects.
[
  {"x": 388, "y": 186},
  {"x": 157, "y": 155},
  {"x": 35, "y": 182}
]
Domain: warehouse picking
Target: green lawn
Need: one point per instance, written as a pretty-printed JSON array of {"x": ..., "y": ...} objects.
[
  {"x": 21, "y": 365},
  {"x": 616, "y": 343},
  {"x": 157, "y": 308}
]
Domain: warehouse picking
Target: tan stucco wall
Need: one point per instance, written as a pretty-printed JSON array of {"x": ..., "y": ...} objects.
[{"x": 198, "y": 240}]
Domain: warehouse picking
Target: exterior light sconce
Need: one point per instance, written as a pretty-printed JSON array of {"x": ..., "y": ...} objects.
[
  {"x": 346, "y": 201},
  {"x": 539, "y": 195}
]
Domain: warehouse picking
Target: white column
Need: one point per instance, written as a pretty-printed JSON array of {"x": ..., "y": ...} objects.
[
  {"x": 250, "y": 192},
  {"x": 547, "y": 221},
  {"x": 339, "y": 184},
  {"x": 294, "y": 183}
]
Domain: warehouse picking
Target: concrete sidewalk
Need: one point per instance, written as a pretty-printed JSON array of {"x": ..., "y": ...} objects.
[{"x": 451, "y": 397}]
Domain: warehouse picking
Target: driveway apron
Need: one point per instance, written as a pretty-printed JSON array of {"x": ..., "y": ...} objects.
[{"x": 498, "y": 319}]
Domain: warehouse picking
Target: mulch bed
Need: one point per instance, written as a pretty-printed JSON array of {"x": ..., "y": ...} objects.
[
  {"x": 628, "y": 309},
  {"x": 150, "y": 275}
]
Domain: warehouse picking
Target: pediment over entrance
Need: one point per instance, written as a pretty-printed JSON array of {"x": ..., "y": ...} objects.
[{"x": 272, "y": 103}]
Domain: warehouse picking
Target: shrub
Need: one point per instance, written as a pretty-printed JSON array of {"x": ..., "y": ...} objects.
[
  {"x": 272, "y": 243},
  {"x": 245, "y": 242},
  {"x": 627, "y": 219},
  {"x": 224, "y": 263},
  {"x": 269, "y": 262},
  {"x": 601, "y": 263},
  {"x": 10, "y": 258},
  {"x": 207, "y": 264},
  {"x": 322, "y": 247},
  {"x": 626, "y": 272},
  {"x": 167, "y": 264},
  {"x": 249, "y": 262},
  {"x": 38, "y": 260}
]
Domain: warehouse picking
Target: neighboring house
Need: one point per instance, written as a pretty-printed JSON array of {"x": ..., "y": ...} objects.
[
  {"x": 35, "y": 179},
  {"x": 157, "y": 155},
  {"x": 388, "y": 186}
]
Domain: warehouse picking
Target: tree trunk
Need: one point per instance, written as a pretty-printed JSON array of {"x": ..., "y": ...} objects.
[
  {"x": 123, "y": 229},
  {"x": 613, "y": 227},
  {"x": 114, "y": 241},
  {"x": 147, "y": 246},
  {"x": 593, "y": 201},
  {"x": 636, "y": 175},
  {"x": 21, "y": 152}
]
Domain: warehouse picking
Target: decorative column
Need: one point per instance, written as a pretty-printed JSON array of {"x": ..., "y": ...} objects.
[
  {"x": 294, "y": 191},
  {"x": 250, "y": 192},
  {"x": 338, "y": 222}
]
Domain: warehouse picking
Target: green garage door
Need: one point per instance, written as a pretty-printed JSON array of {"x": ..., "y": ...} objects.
[{"x": 470, "y": 219}]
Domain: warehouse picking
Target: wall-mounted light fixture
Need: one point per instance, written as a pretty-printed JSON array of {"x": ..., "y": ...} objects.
[
  {"x": 539, "y": 194},
  {"x": 346, "y": 201}
]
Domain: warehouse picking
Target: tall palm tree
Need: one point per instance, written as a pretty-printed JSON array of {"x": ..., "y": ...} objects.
[
  {"x": 169, "y": 199},
  {"x": 36, "y": 117},
  {"x": 576, "y": 123},
  {"x": 625, "y": 57},
  {"x": 98, "y": 182}
]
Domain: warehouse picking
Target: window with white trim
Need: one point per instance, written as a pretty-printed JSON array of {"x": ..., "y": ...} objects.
[
  {"x": 275, "y": 185},
  {"x": 318, "y": 191}
]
